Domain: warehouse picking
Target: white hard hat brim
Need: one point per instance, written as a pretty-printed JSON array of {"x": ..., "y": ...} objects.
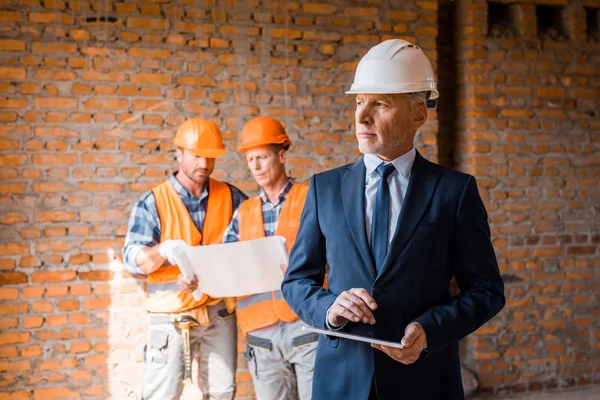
[{"x": 396, "y": 89}]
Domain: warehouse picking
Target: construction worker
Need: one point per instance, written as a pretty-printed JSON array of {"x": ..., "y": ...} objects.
[
  {"x": 280, "y": 355},
  {"x": 187, "y": 208}
]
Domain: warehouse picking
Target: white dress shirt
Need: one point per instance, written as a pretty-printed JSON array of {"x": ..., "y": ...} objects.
[{"x": 398, "y": 182}]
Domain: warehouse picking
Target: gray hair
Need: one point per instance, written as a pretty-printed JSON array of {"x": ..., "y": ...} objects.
[{"x": 418, "y": 98}]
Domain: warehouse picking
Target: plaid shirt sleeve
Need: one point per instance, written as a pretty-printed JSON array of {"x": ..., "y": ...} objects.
[
  {"x": 232, "y": 233},
  {"x": 237, "y": 196},
  {"x": 143, "y": 231}
]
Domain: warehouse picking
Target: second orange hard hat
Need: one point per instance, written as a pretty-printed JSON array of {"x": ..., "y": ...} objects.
[
  {"x": 200, "y": 136},
  {"x": 263, "y": 131}
]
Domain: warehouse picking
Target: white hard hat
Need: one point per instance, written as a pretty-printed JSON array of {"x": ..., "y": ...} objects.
[{"x": 394, "y": 66}]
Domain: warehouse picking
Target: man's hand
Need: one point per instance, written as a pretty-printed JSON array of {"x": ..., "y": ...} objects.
[
  {"x": 413, "y": 341},
  {"x": 166, "y": 248},
  {"x": 353, "y": 305},
  {"x": 187, "y": 285}
]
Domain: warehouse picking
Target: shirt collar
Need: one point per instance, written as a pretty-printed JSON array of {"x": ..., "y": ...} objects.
[
  {"x": 183, "y": 192},
  {"x": 403, "y": 164},
  {"x": 286, "y": 189}
]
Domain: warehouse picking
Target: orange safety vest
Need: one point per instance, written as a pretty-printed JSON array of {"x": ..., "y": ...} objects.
[
  {"x": 164, "y": 295},
  {"x": 265, "y": 309}
]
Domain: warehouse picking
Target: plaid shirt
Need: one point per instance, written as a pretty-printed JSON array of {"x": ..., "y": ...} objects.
[
  {"x": 144, "y": 223},
  {"x": 270, "y": 214}
]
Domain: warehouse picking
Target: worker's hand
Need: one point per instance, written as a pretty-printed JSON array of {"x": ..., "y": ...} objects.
[
  {"x": 187, "y": 285},
  {"x": 414, "y": 341},
  {"x": 166, "y": 248},
  {"x": 353, "y": 305},
  {"x": 283, "y": 268}
]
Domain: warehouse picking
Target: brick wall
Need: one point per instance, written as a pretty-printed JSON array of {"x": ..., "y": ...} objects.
[
  {"x": 91, "y": 93},
  {"x": 529, "y": 130}
]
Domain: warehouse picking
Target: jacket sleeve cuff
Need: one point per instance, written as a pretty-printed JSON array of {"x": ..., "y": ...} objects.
[
  {"x": 330, "y": 327},
  {"x": 434, "y": 342}
]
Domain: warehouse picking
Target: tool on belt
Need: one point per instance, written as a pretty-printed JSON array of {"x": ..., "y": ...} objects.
[{"x": 184, "y": 323}]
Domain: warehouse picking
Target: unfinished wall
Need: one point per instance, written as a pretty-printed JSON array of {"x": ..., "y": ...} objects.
[
  {"x": 91, "y": 93},
  {"x": 529, "y": 77}
]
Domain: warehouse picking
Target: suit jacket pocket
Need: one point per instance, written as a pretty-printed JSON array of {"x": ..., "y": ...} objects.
[{"x": 329, "y": 341}]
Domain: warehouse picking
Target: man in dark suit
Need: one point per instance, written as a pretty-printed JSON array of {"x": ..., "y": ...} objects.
[{"x": 394, "y": 229}]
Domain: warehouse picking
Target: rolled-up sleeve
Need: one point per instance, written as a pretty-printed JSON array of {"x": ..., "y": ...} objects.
[{"x": 143, "y": 231}]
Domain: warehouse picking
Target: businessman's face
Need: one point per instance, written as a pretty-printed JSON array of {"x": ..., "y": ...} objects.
[
  {"x": 267, "y": 164},
  {"x": 386, "y": 124}
]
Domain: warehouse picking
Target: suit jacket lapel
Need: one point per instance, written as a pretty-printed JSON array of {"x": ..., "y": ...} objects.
[
  {"x": 353, "y": 199},
  {"x": 423, "y": 180}
]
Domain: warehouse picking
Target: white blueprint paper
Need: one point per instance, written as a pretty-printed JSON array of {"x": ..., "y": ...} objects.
[{"x": 234, "y": 269}]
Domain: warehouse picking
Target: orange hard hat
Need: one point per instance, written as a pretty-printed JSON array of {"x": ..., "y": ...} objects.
[
  {"x": 262, "y": 131},
  {"x": 200, "y": 136}
]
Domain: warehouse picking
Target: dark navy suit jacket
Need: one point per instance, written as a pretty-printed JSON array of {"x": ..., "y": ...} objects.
[{"x": 442, "y": 232}]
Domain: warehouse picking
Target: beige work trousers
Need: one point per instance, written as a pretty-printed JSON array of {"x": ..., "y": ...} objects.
[
  {"x": 213, "y": 346},
  {"x": 281, "y": 359}
]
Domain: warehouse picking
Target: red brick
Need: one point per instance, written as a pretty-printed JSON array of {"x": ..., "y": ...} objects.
[
  {"x": 14, "y": 248},
  {"x": 12, "y": 73},
  {"x": 9, "y": 293},
  {"x": 13, "y": 217},
  {"x": 97, "y": 275},
  {"x": 31, "y": 351},
  {"x": 68, "y": 305},
  {"x": 14, "y": 366},
  {"x": 113, "y": 76},
  {"x": 55, "y": 393},
  {"x": 147, "y": 23},
  {"x": 54, "y": 131},
  {"x": 41, "y": 307},
  {"x": 57, "y": 276},
  {"x": 12, "y": 278},
  {"x": 17, "y": 337},
  {"x": 96, "y": 303},
  {"x": 362, "y": 12},
  {"x": 9, "y": 352},
  {"x": 33, "y": 292},
  {"x": 54, "y": 159},
  {"x": 78, "y": 259},
  {"x": 80, "y": 319},
  {"x": 8, "y": 323},
  {"x": 12, "y": 103},
  {"x": 95, "y": 333},
  {"x": 81, "y": 289},
  {"x": 12, "y": 45},
  {"x": 10, "y": 16},
  {"x": 81, "y": 375},
  {"x": 56, "y": 320},
  {"x": 319, "y": 8}
]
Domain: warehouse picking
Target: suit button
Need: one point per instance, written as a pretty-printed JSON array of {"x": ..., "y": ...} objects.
[{"x": 377, "y": 290}]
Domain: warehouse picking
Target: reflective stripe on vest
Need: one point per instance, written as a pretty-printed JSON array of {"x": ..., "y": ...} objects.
[
  {"x": 265, "y": 309},
  {"x": 161, "y": 287},
  {"x": 245, "y": 302},
  {"x": 176, "y": 223},
  {"x": 251, "y": 300}
]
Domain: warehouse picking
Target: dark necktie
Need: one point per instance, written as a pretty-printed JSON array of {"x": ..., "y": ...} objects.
[{"x": 381, "y": 216}]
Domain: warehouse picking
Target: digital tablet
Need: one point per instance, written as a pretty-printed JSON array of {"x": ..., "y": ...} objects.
[{"x": 352, "y": 337}]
